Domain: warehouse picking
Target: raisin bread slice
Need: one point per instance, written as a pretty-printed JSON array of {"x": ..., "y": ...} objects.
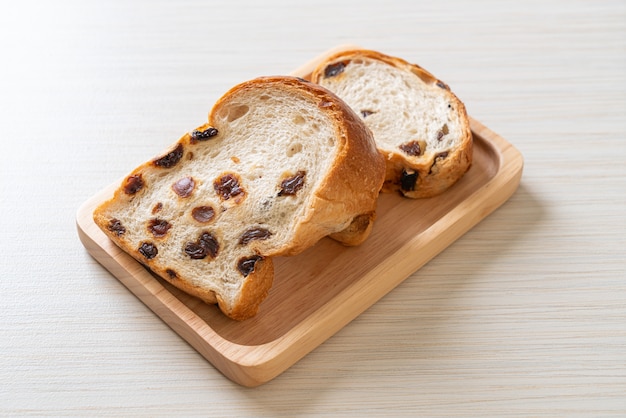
[
  {"x": 418, "y": 123},
  {"x": 281, "y": 163}
]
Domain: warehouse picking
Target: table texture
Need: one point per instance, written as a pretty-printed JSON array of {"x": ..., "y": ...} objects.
[{"x": 524, "y": 315}]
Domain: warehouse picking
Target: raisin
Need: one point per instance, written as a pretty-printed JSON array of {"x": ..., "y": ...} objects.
[
  {"x": 442, "y": 85},
  {"x": 246, "y": 264},
  {"x": 227, "y": 186},
  {"x": 195, "y": 251},
  {"x": 116, "y": 227},
  {"x": 203, "y": 213},
  {"x": 148, "y": 250},
  {"x": 133, "y": 184},
  {"x": 157, "y": 208},
  {"x": 334, "y": 69},
  {"x": 204, "y": 135},
  {"x": 444, "y": 131},
  {"x": 184, "y": 186},
  {"x": 209, "y": 242},
  {"x": 408, "y": 180},
  {"x": 159, "y": 227},
  {"x": 365, "y": 113},
  {"x": 172, "y": 274},
  {"x": 254, "y": 234},
  {"x": 412, "y": 148},
  {"x": 170, "y": 159},
  {"x": 291, "y": 185},
  {"x": 205, "y": 245},
  {"x": 266, "y": 204}
]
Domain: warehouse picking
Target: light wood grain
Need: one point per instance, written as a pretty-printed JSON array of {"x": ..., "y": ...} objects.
[
  {"x": 319, "y": 291},
  {"x": 524, "y": 315}
]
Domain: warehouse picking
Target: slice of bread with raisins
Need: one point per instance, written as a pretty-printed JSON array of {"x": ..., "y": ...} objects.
[
  {"x": 418, "y": 123},
  {"x": 281, "y": 163}
]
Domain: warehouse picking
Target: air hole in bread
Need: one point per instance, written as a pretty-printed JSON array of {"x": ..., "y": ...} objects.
[
  {"x": 236, "y": 111},
  {"x": 299, "y": 120},
  {"x": 294, "y": 149},
  {"x": 264, "y": 97}
]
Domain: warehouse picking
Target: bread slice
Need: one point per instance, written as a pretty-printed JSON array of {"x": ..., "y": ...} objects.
[
  {"x": 418, "y": 123},
  {"x": 281, "y": 163}
]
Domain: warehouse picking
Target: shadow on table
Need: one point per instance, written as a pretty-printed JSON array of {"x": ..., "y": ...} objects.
[{"x": 419, "y": 312}]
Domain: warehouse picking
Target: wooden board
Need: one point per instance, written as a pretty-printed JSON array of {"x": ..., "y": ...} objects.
[{"x": 319, "y": 291}]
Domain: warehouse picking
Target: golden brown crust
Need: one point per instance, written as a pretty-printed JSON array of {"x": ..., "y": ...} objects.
[
  {"x": 434, "y": 174},
  {"x": 434, "y": 177},
  {"x": 254, "y": 290}
]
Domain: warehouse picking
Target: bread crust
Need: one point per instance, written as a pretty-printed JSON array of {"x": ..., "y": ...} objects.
[
  {"x": 349, "y": 189},
  {"x": 434, "y": 173}
]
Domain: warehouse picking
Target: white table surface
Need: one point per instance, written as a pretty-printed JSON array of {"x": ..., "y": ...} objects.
[{"x": 524, "y": 315}]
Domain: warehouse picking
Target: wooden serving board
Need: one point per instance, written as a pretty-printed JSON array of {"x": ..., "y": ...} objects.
[{"x": 318, "y": 292}]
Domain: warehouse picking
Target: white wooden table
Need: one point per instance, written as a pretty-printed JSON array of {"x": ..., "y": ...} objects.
[{"x": 524, "y": 315}]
